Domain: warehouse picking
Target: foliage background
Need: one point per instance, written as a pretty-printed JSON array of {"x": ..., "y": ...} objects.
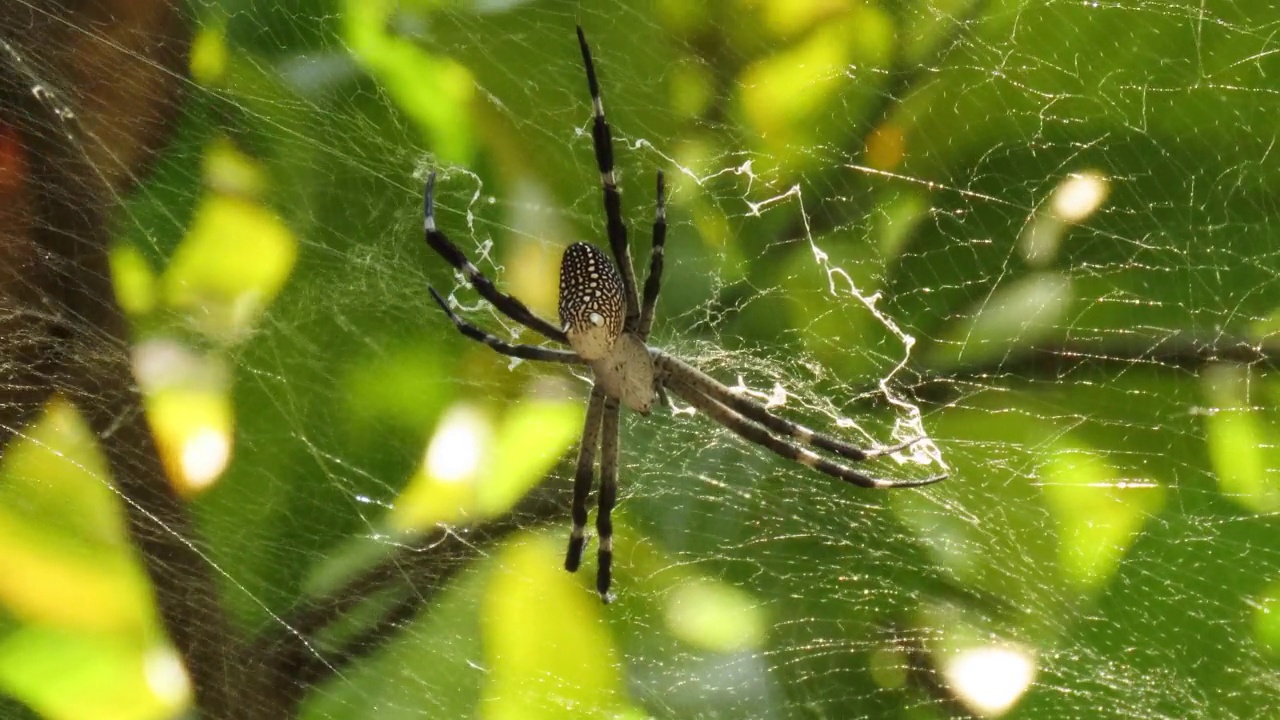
[{"x": 1099, "y": 387}]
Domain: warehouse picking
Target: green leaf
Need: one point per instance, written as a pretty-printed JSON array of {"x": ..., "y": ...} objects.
[{"x": 547, "y": 647}]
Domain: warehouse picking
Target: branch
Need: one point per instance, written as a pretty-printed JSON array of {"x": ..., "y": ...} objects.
[
  {"x": 87, "y": 110},
  {"x": 1053, "y": 362},
  {"x": 419, "y": 571}
]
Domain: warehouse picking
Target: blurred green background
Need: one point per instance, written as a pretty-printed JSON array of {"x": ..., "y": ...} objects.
[{"x": 1030, "y": 221}]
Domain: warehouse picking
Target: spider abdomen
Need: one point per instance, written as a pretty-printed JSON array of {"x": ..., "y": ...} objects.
[{"x": 591, "y": 303}]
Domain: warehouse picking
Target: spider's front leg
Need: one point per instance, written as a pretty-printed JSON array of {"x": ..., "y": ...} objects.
[{"x": 506, "y": 304}]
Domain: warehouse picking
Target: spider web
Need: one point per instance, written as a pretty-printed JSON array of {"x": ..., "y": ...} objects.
[{"x": 1040, "y": 234}]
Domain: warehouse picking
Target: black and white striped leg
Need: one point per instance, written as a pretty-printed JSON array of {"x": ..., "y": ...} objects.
[
  {"x": 524, "y": 352},
  {"x": 582, "y": 479},
  {"x": 608, "y": 496},
  {"x": 602, "y": 141},
  {"x": 689, "y": 375},
  {"x": 507, "y": 304},
  {"x": 653, "y": 283},
  {"x": 748, "y": 430}
]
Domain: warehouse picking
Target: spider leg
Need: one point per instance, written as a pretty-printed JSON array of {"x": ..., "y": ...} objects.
[
  {"x": 524, "y": 352},
  {"x": 608, "y": 496},
  {"x": 709, "y": 386},
  {"x": 603, "y": 144},
  {"x": 653, "y": 283},
  {"x": 582, "y": 479},
  {"x": 509, "y": 305},
  {"x": 748, "y": 430}
]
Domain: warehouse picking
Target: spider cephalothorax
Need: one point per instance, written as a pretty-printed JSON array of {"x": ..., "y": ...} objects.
[{"x": 607, "y": 324}]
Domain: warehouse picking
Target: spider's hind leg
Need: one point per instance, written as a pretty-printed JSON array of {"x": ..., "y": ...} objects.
[
  {"x": 608, "y": 497},
  {"x": 582, "y": 479},
  {"x": 896, "y": 447}
]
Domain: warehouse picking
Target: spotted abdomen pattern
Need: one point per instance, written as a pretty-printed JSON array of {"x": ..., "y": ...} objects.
[{"x": 591, "y": 304}]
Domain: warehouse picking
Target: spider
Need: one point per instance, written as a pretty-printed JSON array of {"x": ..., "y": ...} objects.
[{"x": 607, "y": 328}]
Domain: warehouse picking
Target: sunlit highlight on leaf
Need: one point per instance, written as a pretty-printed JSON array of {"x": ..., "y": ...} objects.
[
  {"x": 1099, "y": 514},
  {"x": 167, "y": 676},
  {"x": 444, "y": 491},
  {"x": 716, "y": 617},
  {"x": 455, "y": 452},
  {"x": 234, "y": 260},
  {"x": 473, "y": 470},
  {"x": 209, "y": 55},
  {"x": 62, "y": 536},
  {"x": 1242, "y": 455},
  {"x": 193, "y": 431},
  {"x": 990, "y": 679},
  {"x": 189, "y": 407},
  {"x": 1019, "y": 314},
  {"x": 205, "y": 455},
  {"x": 134, "y": 281},
  {"x": 1079, "y": 196},
  {"x": 68, "y": 676},
  {"x": 1073, "y": 201},
  {"x": 436, "y": 92}
]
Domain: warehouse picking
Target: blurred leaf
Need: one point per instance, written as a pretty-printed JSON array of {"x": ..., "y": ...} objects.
[
  {"x": 716, "y": 617},
  {"x": 1099, "y": 514},
  {"x": 209, "y": 55},
  {"x": 786, "y": 98},
  {"x": 235, "y": 259},
  {"x": 193, "y": 430},
  {"x": 533, "y": 437},
  {"x": 1266, "y": 619},
  {"x": 134, "y": 280},
  {"x": 1244, "y": 456},
  {"x": 1022, "y": 313},
  {"x": 74, "y": 676},
  {"x": 68, "y": 572},
  {"x": 474, "y": 472},
  {"x": 63, "y": 534},
  {"x": 434, "y": 91},
  {"x": 559, "y": 661}
]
